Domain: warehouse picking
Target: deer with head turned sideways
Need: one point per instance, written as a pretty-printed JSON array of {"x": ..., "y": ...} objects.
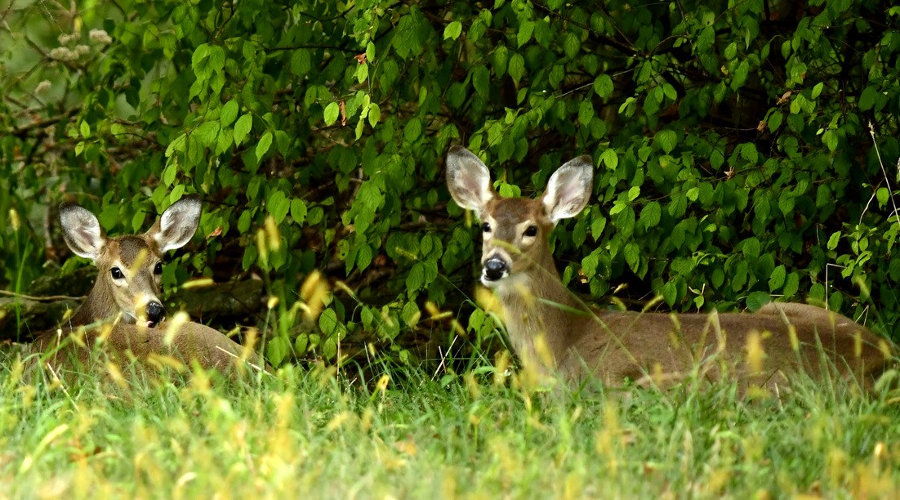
[
  {"x": 554, "y": 332},
  {"x": 122, "y": 317}
]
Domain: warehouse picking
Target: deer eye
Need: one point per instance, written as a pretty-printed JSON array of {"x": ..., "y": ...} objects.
[
  {"x": 485, "y": 228},
  {"x": 116, "y": 273},
  {"x": 157, "y": 269},
  {"x": 531, "y": 230}
]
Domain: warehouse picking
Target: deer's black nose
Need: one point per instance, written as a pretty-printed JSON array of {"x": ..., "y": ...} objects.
[
  {"x": 155, "y": 312},
  {"x": 495, "y": 268}
]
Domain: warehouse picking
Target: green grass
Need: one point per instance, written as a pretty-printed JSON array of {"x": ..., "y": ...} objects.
[{"x": 314, "y": 432}]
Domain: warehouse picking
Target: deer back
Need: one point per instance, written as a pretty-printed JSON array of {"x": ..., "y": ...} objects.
[
  {"x": 759, "y": 349},
  {"x": 134, "y": 347}
]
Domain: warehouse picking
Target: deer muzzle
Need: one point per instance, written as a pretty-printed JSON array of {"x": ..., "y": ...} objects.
[
  {"x": 155, "y": 313},
  {"x": 493, "y": 270}
]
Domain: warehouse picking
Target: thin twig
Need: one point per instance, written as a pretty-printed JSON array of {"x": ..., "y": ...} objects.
[
  {"x": 883, "y": 171},
  {"x": 25, "y": 129}
]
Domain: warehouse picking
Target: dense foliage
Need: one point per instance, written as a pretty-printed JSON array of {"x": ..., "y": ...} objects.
[{"x": 743, "y": 149}]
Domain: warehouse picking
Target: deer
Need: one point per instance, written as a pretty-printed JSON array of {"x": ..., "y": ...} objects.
[
  {"x": 555, "y": 333},
  {"x": 122, "y": 316}
]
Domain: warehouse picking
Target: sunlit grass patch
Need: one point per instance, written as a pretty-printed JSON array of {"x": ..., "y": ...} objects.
[{"x": 313, "y": 431}]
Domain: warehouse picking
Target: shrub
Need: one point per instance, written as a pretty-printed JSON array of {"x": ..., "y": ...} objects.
[{"x": 744, "y": 150}]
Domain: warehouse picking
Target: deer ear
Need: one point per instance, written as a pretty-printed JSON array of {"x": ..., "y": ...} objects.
[
  {"x": 468, "y": 179},
  {"x": 569, "y": 189},
  {"x": 177, "y": 224},
  {"x": 81, "y": 230}
]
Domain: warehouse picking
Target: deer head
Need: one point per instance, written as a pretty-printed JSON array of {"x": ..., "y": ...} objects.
[
  {"x": 130, "y": 266},
  {"x": 516, "y": 230}
]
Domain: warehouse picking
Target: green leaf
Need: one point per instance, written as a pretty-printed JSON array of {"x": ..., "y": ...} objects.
[
  {"x": 278, "y": 206},
  {"x": 374, "y": 114},
  {"x": 731, "y": 51},
  {"x": 137, "y": 221},
  {"x": 453, "y": 30},
  {"x": 500, "y": 60},
  {"x": 298, "y": 210},
  {"x": 201, "y": 53},
  {"x": 740, "y": 75},
  {"x": 792, "y": 285},
  {"x": 571, "y": 45},
  {"x": 666, "y": 140},
  {"x": 242, "y": 128},
  {"x": 867, "y": 98},
  {"x": 244, "y": 221},
  {"x": 526, "y": 28},
  {"x": 481, "y": 80},
  {"x": 250, "y": 257},
  {"x": 632, "y": 255},
  {"x": 262, "y": 147},
  {"x": 412, "y": 130},
  {"x": 817, "y": 90},
  {"x": 603, "y": 86},
  {"x": 277, "y": 349},
  {"x": 301, "y": 62},
  {"x": 206, "y": 133},
  {"x": 329, "y": 323},
  {"x": 749, "y": 153},
  {"x": 830, "y": 139},
  {"x": 416, "y": 278},
  {"x": 598, "y": 223},
  {"x": 670, "y": 91},
  {"x": 229, "y": 113},
  {"x": 410, "y": 314},
  {"x": 301, "y": 344},
  {"x": 362, "y": 72},
  {"x": 329, "y": 348},
  {"x": 833, "y": 240},
  {"x": 751, "y": 247},
  {"x": 757, "y": 299},
  {"x": 882, "y": 194},
  {"x": 775, "y": 120},
  {"x": 692, "y": 193},
  {"x": 216, "y": 58},
  {"x": 168, "y": 176},
  {"x": 634, "y": 192},
  {"x": 617, "y": 207},
  {"x": 651, "y": 214},
  {"x": 331, "y": 113},
  {"x": 609, "y": 158},
  {"x": 364, "y": 257},
  {"x": 669, "y": 292},
  {"x": 585, "y": 112},
  {"x": 516, "y": 67},
  {"x": 776, "y": 280},
  {"x": 786, "y": 204},
  {"x": 176, "y": 145}
]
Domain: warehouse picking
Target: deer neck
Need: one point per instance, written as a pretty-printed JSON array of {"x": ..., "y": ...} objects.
[
  {"x": 98, "y": 305},
  {"x": 540, "y": 314}
]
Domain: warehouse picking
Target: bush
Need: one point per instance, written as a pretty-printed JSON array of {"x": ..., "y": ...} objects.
[{"x": 744, "y": 150}]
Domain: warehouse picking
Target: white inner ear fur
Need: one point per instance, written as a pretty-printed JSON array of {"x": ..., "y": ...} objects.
[
  {"x": 468, "y": 179},
  {"x": 178, "y": 224},
  {"x": 569, "y": 189},
  {"x": 82, "y": 232}
]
